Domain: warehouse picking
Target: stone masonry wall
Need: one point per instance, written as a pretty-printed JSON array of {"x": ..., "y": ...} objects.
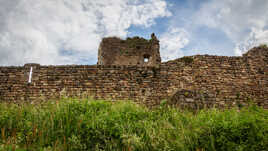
[
  {"x": 109, "y": 82},
  {"x": 219, "y": 80}
]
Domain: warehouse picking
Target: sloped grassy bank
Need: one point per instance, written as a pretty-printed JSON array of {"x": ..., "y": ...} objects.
[{"x": 98, "y": 125}]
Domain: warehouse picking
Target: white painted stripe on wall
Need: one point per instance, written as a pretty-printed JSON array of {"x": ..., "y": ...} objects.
[{"x": 30, "y": 75}]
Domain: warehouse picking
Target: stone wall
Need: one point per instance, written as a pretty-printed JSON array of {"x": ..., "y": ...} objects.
[
  {"x": 220, "y": 80},
  {"x": 109, "y": 82}
]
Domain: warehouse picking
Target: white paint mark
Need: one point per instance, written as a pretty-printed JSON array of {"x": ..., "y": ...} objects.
[{"x": 30, "y": 75}]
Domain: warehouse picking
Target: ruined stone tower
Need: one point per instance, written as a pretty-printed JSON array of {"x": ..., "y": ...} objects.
[{"x": 132, "y": 51}]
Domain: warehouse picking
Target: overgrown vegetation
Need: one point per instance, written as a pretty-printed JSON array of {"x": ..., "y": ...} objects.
[
  {"x": 137, "y": 42},
  {"x": 187, "y": 60},
  {"x": 98, "y": 125},
  {"x": 264, "y": 46}
]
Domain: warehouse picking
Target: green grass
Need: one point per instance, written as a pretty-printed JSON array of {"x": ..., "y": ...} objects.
[{"x": 98, "y": 125}]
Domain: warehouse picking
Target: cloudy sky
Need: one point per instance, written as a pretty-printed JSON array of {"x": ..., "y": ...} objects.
[{"x": 53, "y": 32}]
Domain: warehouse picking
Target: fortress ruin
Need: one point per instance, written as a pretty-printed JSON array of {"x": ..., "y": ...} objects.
[
  {"x": 132, "y": 70},
  {"x": 132, "y": 51}
]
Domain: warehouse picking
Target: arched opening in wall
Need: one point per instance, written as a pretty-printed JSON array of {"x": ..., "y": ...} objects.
[{"x": 146, "y": 58}]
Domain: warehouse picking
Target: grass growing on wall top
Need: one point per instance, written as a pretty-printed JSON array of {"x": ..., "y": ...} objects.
[{"x": 98, "y": 125}]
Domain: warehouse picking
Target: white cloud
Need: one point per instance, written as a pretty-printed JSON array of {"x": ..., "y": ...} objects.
[
  {"x": 255, "y": 38},
  {"x": 67, "y": 31},
  {"x": 172, "y": 42},
  {"x": 241, "y": 20}
]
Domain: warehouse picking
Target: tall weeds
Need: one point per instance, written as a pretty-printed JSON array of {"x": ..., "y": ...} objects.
[{"x": 78, "y": 125}]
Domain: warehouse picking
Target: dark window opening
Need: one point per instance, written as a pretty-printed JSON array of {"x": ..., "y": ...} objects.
[{"x": 146, "y": 58}]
